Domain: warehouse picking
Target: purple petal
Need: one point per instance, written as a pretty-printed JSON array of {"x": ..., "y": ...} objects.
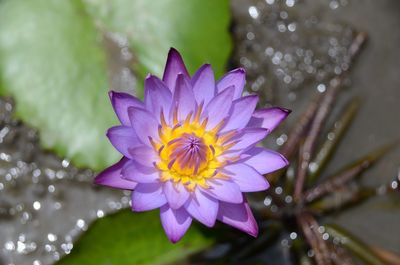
[
  {"x": 173, "y": 67},
  {"x": 241, "y": 112},
  {"x": 238, "y": 216},
  {"x": 157, "y": 95},
  {"x": 183, "y": 98},
  {"x": 147, "y": 197},
  {"x": 176, "y": 194},
  {"x": 264, "y": 160},
  {"x": 224, "y": 190},
  {"x": 111, "y": 177},
  {"x": 248, "y": 138},
  {"x": 144, "y": 155},
  {"x": 136, "y": 172},
  {"x": 246, "y": 177},
  {"x": 203, "y": 84},
  {"x": 145, "y": 124},
  {"x": 203, "y": 208},
  {"x": 123, "y": 138},
  {"x": 268, "y": 118},
  {"x": 219, "y": 107},
  {"x": 174, "y": 222},
  {"x": 236, "y": 78},
  {"x": 121, "y": 102}
]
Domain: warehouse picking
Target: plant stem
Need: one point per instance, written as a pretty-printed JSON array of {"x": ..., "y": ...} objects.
[
  {"x": 310, "y": 231},
  {"x": 333, "y": 137},
  {"x": 348, "y": 173},
  {"x": 353, "y": 244},
  {"x": 310, "y": 141}
]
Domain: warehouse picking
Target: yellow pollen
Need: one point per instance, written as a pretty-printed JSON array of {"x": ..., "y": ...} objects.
[{"x": 189, "y": 154}]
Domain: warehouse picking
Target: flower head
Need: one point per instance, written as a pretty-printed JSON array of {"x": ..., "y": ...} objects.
[{"x": 190, "y": 148}]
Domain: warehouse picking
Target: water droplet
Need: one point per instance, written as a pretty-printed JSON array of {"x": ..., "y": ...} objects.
[
  {"x": 37, "y": 205},
  {"x": 51, "y": 237},
  {"x": 253, "y": 11}
]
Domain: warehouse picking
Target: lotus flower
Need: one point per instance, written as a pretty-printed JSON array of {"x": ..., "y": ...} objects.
[{"x": 190, "y": 148}]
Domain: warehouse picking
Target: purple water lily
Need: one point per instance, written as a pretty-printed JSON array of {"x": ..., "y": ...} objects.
[{"x": 190, "y": 148}]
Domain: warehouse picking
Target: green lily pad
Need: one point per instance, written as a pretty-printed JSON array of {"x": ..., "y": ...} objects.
[
  {"x": 199, "y": 29},
  {"x": 126, "y": 238},
  {"x": 52, "y": 61}
]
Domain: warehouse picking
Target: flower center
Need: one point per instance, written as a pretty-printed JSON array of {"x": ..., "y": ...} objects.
[{"x": 188, "y": 154}]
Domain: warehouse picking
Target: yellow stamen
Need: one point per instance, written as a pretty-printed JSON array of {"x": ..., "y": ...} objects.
[{"x": 190, "y": 154}]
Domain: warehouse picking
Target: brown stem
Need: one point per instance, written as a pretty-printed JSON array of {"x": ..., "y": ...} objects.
[
  {"x": 389, "y": 257},
  {"x": 333, "y": 137},
  {"x": 340, "y": 256},
  {"x": 320, "y": 116},
  {"x": 311, "y": 234},
  {"x": 345, "y": 175},
  {"x": 295, "y": 135},
  {"x": 353, "y": 244},
  {"x": 310, "y": 141},
  {"x": 344, "y": 197},
  {"x": 356, "y": 45},
  {"x": 323, "y": 244}
]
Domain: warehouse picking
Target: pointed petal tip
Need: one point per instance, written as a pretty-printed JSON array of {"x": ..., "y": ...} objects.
[
  {"x": 173, "y": 239},
  {"x": 240, "y": 70},
  {"x": 253, "y": 231},
  {"x": 173, "y": 66},
  {"x": 111, "y": 177},
  {"x": 172, "y": 50},
  {"x": 287, "y": 110},
  {"x": 269, "y": 117},
  {"x": 238, "y": 216},
  {"x": 174, "y": 222},
  {"x": 111, "y": 94}
]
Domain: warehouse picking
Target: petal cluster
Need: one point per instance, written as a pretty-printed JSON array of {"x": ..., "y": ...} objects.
[{"x": 190, "y": 148}]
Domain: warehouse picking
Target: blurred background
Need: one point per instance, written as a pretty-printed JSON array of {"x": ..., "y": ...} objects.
[{"x": 58, "y": 59}]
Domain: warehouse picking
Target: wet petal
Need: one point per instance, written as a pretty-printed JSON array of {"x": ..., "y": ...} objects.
[
  {"x": 248, "y": 138},
  {"x": 224, "y": 190},
  {"x": 145, "y": 124},
  {"x": 173, "y": 67},
  {"x": 236, "y": 78},
  {"x": 111, "y": 177},
  {"x": 219, "y": 107},
  {"x": 203, "y": 208},
  {"x": 238, "y": 216},
  {"x": 268, "y": 118},
  {"x": 144, "y": 155},
  {"x": 183, "y": 98},
  {"x": 136, "y": 172},
  {"x": 176, "y": 194},
  {"x": 246, "y": 177},
  {"x": 121, "y": 102},
  {"x": 203, "y": 84},
  {"x": 123, "y": 138},
  {"x": 147, "y": 197},
  {"x": 157, "y": 96},
  {"x": 241, "y": 112},
  {"x": 174, "y": 222},
  {"x": 264, "y": 160}
]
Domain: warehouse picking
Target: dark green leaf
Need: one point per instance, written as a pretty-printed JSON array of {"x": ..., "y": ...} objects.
[{"x": 127, "y": 238}]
